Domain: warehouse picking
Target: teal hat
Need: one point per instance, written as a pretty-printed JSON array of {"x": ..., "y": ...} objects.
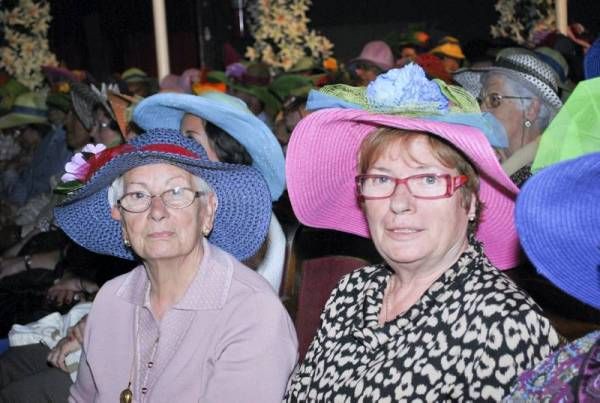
[
  {"x": 165, "y": 110},
  {"x": 28, "y": 108}
]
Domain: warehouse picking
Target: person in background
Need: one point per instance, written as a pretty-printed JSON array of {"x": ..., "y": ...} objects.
[
  {"x": 559, "y": 225},
  {"x": 230, "y": 133},
  {"x": 521, "y": 91},
  {"x": 137, "y": 82},
  {"x": 376, "y": 57},
  {"x": 450, "y": 52}
]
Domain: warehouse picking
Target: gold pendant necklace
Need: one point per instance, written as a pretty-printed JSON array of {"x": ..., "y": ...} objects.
[{"x": 126, "y": 395}]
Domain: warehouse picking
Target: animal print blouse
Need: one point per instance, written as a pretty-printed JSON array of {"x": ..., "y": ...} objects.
[{"x": 468, "y": 338}]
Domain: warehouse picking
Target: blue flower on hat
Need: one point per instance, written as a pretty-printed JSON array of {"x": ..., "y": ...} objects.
[{"x": 405, "y": 86}]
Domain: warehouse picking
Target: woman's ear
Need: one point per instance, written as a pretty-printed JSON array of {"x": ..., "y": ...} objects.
[
  {"x": 207, "y": 213},
  {"x": 533, "y": 110},
  {"x": 115, "y": 213},
  {"x": 472, "y": 210}
]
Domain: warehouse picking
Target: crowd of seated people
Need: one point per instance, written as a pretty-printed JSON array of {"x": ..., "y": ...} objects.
[{"x": 150, "y": 230}]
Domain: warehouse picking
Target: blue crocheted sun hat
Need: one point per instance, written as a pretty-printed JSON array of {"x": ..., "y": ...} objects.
[
  {"x": 559, "y": 225},
  {"x": 244, "y": 203},
  {"x": 230, "y": 114}
]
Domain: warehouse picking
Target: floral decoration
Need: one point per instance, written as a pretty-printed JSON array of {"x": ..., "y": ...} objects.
[
  {"x": 405, "y": 86},
  {"x": 25, "y": 48},
  {"x": 281, "y": 34},
  {"x": 77, "y": 169},
  {"x": 523, "y": 20}
]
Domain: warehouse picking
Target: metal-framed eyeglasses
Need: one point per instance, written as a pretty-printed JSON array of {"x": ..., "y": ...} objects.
[
  {"x": 423, "y": 186},
  {"x": 494, "y": 100},
  {"x": 176, "y": 198}
]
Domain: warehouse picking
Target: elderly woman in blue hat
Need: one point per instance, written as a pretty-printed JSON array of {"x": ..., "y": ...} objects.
[
  {"x": 229, "y": 132},
  {"x": 191, "y": 323}
]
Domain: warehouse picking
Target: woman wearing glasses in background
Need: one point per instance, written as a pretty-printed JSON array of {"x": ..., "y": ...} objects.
[
  {"x": 521, "y": 90},
  {"x": 437, "y": 321}
]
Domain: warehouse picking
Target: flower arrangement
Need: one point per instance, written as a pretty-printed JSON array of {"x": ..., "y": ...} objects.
[
  {"x": 521, "y": 20},
  {"x": 282, "y": 37},
  {"x": 25, "y": 48},
  {"x": 405, "y": 87}
]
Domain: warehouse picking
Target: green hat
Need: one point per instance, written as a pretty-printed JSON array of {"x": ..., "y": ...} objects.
[
  {"x": 287, "y": 85},
  {"x": 59, "y": 100},
  {"x": 134, "y": 75},
  {"x": 575, "y": 130},
  {"x": 28, "y": 108},
  {"x": 8, "y": 92}
]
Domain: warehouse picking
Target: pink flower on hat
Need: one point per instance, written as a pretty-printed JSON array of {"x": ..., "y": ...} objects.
[{"x": 77, "y": 168}]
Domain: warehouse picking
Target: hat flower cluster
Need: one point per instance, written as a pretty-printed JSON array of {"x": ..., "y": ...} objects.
[
  {"x": 405, "y": 86},
  {"x": 78, "y": 167}
]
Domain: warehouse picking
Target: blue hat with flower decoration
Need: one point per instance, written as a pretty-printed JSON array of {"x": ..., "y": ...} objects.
[
  {"x": 408, "y": 92},
  {"x": 230, "y": 114},
  {"x": 244, "y": 204}
]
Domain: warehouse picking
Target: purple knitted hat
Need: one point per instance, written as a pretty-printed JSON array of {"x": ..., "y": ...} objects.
[{"x": 244, "y": 203}]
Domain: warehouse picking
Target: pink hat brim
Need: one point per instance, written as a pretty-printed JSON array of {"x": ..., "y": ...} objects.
[{"x": 321, "y": 164}]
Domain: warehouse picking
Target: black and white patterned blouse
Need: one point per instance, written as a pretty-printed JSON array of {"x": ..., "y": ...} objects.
[{"x": 467, "y": 339}]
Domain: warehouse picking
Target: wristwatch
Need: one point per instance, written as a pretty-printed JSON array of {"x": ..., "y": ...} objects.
[{"x": 27, "y": 261}]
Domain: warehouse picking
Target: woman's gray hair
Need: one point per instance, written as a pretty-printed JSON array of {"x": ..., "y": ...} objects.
[
  {"x": 116, "y": 190},
  {"x": 519, "y": 89}
]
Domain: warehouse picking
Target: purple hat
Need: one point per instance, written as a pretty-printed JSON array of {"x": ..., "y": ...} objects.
[
  {"x": 244, "y": 203},
  {"x": 377, "y": 53},
  {"x": 559, "y": 225}
]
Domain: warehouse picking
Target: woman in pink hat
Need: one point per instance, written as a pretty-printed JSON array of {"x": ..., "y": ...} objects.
[{"x": 437, "y": 320}]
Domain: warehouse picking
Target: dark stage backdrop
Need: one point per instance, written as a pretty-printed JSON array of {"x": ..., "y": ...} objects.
[{"x": 108, "y": 36}]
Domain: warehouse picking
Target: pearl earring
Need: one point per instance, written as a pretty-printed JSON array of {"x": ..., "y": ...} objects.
[
  {"x": 126, "y": 242},
  {"x": 527, "y": 123}
]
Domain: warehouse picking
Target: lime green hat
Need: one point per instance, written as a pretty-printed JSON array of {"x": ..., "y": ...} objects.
[
  {"x": 134, "y": 75},
  {"x": 575, "y": 130},
  {"x": 28, "y": 108}
]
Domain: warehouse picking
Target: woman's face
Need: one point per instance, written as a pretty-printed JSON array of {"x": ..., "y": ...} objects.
[
  {"x": 411, "y": 232},
  {"x": 193, "y": 126},
  {"x": 508, "y": 112},
  {"x": 163, "y": 232},
  {"x": 101, "y": 131}
]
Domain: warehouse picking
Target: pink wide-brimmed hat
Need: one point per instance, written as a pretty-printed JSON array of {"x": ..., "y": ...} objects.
[{"x": 321, "y": 164}]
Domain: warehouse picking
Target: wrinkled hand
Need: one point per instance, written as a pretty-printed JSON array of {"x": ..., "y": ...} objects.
[
  {"x": 72, "y": 342},
  {"x": 65, "y": 291}
]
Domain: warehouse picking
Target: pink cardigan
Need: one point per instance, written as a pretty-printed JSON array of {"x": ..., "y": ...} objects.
[{"x": 228, "y": 339}]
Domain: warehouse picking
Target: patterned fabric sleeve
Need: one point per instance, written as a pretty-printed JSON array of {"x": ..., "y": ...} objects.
[{"x": 515, "y": 343}]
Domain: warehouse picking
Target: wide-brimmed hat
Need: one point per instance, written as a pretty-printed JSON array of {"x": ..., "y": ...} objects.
[
  {"x": 575, "y": 130},
  {"x": 28, "y": 108},
  {"x": 84, "y": 98},
  {"x": 559, "y": 225},
  {"x": 407, "y": 91},
  {"x": 525, "y": 68},
  {"x": 449, "y": 47},
  {"x": 377, "y": 53},
  {"x": 321, "y": 165},
  {"x": 230, "y": 114},
  {"x": 9, "y": 91},
  {"x": 591, "y": 61},
  {"x": 244, "y": 206}
]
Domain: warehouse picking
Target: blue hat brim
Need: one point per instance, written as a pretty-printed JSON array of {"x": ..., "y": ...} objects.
[
  {"x": 559, "y": 225},
  {"x": 167, "y": 109},
  {"x": 241, "y": 219}
]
